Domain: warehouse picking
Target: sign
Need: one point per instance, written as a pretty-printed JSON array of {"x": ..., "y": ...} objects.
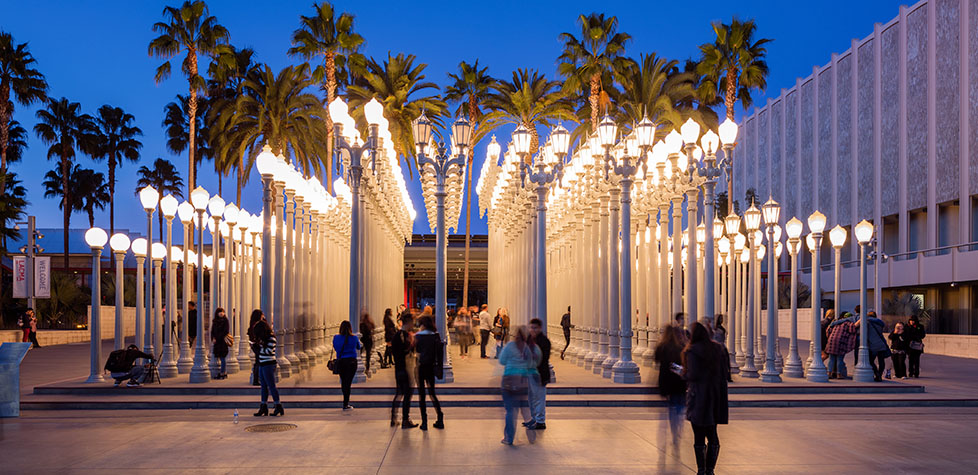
[
  {"x": 20, "y": 277},
  {"x": 42, "y": 277}
]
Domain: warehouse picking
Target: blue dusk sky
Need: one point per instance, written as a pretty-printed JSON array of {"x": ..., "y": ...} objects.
[{"x": 95, "y": 53}]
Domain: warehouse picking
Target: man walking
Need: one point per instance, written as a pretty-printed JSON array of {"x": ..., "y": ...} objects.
[
  {"x": 485, "y": 326},
  {"x": 401, "y": 345},
  {"x": 538, "y": 386},
  {"x": 565, "y": 323}
]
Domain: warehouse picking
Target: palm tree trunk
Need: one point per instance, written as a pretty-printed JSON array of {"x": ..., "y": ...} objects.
[
  {"x": 220, "y": 183},
  {"x": 238, "y": 194},
  {"x": 67, "y": 203},
  {"x": 595, "y": 93},
  {"x": 330, "y": 95},
  {"x": 112, "y": 196},
  {"x": 192, "y": 126},
  {"x": 5, "y": 113},
  {"x": 159, "y": 215},
  {"x": 731, "y": 97}
]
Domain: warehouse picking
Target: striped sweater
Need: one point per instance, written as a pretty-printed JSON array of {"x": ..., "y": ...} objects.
[{"x": 266, "y": 351}]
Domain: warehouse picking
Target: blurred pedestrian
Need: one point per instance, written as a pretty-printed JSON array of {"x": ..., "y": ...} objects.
[
  {"x": 389, "y": 330},
  {"x": 347, "y": 347},
  {"x": 367, "y": 338},
  {"x": 430, "y": 350},
  {"x": 264, "y": 347},
  {"x": 463, "y": 332},
  {"x": 679, "y": 320},
  {"x": 220, "y": 331},
  {"x": 705, "y": 370},
  {"x": 401, "y": 346},
  {"x": 485, "y": 328},
  {"x": 668, "y": 355},
  {"x": 29, "y": 326},
  {"x": 565, "y": 325},
  {"x": 520, "y": 359},
  {"x": 192, "y": 323},
  {"x": 538, "y": 384}
]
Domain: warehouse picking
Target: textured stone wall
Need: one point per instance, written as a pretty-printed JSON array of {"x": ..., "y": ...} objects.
[
  {"x": 806, "y": 155},
  {"x": 865, "y": 129},
  {"x": 778, "y": 172},
  {"x": 948, "y": 101},
  {"x": 917, "y": 109},
  {"x": 973, "y": 94},
  {"x": 791, "y": 149},
  {"x": 843, "y": 174},
  {"x": 825, "y": 115},
  {"x": 890, "y": 110}
]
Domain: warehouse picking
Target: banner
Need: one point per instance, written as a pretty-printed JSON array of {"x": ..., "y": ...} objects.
[
  {"x": 20, "y": 277},
  {"x": 42, "y": 277}
]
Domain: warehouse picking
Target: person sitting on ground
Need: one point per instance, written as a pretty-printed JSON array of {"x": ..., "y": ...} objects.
[{"x": 122, "y": 365}]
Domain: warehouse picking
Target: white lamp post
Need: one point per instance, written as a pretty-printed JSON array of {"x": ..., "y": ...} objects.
[
  {"x": 157, "y": 253},
  {"x": 816, "y": 370},
  {"x": 732, "y": 227},
  {"x": 215, "y": 206},
  {"x": 199, "y": 372},
  {"x": 232, "y": 218},
  {"x": 771, "y": 211},
  {"x": 752, "y": 218},
  {"x": 793, "y": 368},
  {"x": 168, "y": 364},
  {"x": 139, "y": 249},
  {"x": 864, "y": 372},
  {"x": 148, "y": 197},
  {"x": 186, "y": 213},
  {"x": 119, "y": 244},
  {"x": 837, "y": 236},
  {"x": 96, "y": 238}
]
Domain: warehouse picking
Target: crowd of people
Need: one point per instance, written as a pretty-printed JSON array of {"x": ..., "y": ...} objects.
[{"x": 840, "y": 336}]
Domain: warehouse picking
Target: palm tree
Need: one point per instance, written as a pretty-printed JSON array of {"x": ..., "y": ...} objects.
[
  {"x": 529, "y": 99},
  {"x": 16, "y": 142},
  {"x": 88, "y": 190},
  {"x": 224, "y": 88},
  {"x": 470, "y": 89},
  {"x": 64, "y": 128},
  {"x": 278, "y": 110},
  {"x": 17, "y": 75},
  {"x": 116, "y": 141},
  {"x": 734, "y": 64},
  {"x": 12, "y": 204},
  {"x": 332, "y": 37},
  {"x": 191, "y": 29},
  {"x": 400, "y": 87},
  {"x": 176, "y": 123},
  {"x": 588, "y": 61},
  {"x": 165, "y": 178}
]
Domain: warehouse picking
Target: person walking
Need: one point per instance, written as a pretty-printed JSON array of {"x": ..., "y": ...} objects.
[
  {"x": 29, "y": 323},
  {"x": 367, "y": 338},
  {"x": 915, "y": 345},
  {"x": 538, "y": 383},
  {"x": 430, "y": 349},
  {"x": 220, "y": 331},
  {"x": 878, "y": 349},
  {"x": 264, "y": 347},
  {"x": 463, "y": 332},
  {"x": 719, "y": 331},
  {"x": 389, "y": 330},
  {"x": 899, "y": 346},
  {"x": 347, "y": 347},
  {"x": 500, "y": 329},
  {"x": 565, "y": 324},
  {"x": 705, "y": 371},
  {"x": 191, "y": 323},
  {"x": 485, "y": 328},
  {"x": 679, "y": 320},
  {"x": 668, "y": 355},
  {"x": 401, "y": 345},
  {"x": 520, "y": 359}
]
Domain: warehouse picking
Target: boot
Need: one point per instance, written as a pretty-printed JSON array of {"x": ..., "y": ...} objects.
[
  {"x": 712, "y": 453},
  {"x": 700, "y": 452},
  {"x": 262, "y": 411},
  {"x": 279, "y": 411},
  {"x": 408, "y": 424},
  {"x": 440, "y": 423},
  {"x": 393, "y": 420}
]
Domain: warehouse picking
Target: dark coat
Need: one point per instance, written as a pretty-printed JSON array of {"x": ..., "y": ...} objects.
[
  {"x": 706, "y": 378},
  {"x": 670, "y": 383},
  {"x": 874, "y": 336},
  {"x": 544, "y": 367},
  {"x": 914, "y": 333},
  {"x": 400, "y": 347},
  {"x": 219, "y": 329},
  {"x": 428, "y": 345},
  {"x": 192, "y": 324},
  {"x": 367, "y": 335},
  {"x": 898, "y": 342}
]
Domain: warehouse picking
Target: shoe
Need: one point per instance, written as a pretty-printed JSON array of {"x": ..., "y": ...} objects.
[
  {"x": 712, "y": 454},
  {"x": 528, "y": 423},
  {"x": 279, "y": 411},
  {"x": 439, "y": 424},
  {"x": 133, "y": 384},
  {"x": 561, "y": 355},
  {"x": 700, "y": 452},
  {"x": 506, "y": 442},
  {"x": 424, "y": 425},
  {"x": 408, "y": 424},
  {"x": 535, "y": 426},
  {"x": 117, "y": 383},
  {"x": 393, "y": 422},
  {"x": 262, "y": 411},
  {"x": 348, "y": 407}
]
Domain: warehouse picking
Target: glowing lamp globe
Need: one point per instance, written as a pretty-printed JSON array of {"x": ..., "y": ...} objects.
[
  {"x": 374, "y": 112},
  {"x": 864, "y": 232},
  {"x": 728, "y": 132},
  {"x": 96, "y": 238},
  {"x": 772, "y": 211},
  {"x": 461, "y": 132},
  {"x": 794, "y": 228},
  {"x": 168, "y": 205},
  {"x": 139, "y": 247},
  {"x": 231, "y": 214},
  {"x": 752, "y": 218},
  {"x": 709, "y": 142},
  {"x": 607, "y": 130},
  {"x": 159, "y": 251},
  {"x": 216, "y": 206},
  {"x": 690, "y": 131},
  {"x": 119, "y": 242},
  {"x": 560, "y": 138},
  {"x": 816, "y": 222},
  {"x": 186, "y": 212},
  {"x": 838, "y": 236},
  {"x": 521, "y": 140},
  {"x": 148, "y": 197},
  {"x": 493, "y": 149},
  {"x": 421, "y": 128},
  {"x": 266, "y": 161},
  {"x": 645, "y": 132},
  {"x": 198, "y": 198}
]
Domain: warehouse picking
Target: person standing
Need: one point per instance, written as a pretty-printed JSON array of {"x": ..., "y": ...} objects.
[
  {"x": 878, "y": 349},
  {"x": 668, "y": 355},
  {"x": 463, "y": 331},
  {"x": 401, "y": 345},
  {"x": 220, "y": 329},
  {"x": 843, "y": 335},
  {"x": 367, "y": 338},
  {"x": 264, "y": 348},
  {"x": 679, "y": 320},
  {"x": 899, "y": 346},
  {"x": 29, "y": 324},
  {"x": 191, "y": 322},
  {"x": 347, "y": 347},
  {"x": 538, "y": 384},
  {"x": 520, "y": 359},
  {"x": 485, "y": 327},
  {"x": 565, "y": 324},
  {"x": 915, "y": 345},
  {"x": 429, "y": 347},
  {"x": 389, "y": 330},
  {"x": 705, "y": 370}
]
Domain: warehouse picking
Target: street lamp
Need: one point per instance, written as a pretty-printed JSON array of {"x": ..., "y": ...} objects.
[
  {"x": 793, "y": 368},
  {"x": 732, "y": 227},
  {"x": 752, "y": 219},
  {"x": 186, "y": 213},
  {"x": 771, "y": 211},
  {"x": 139, "y": 248},
  {"x": 148, "y": 197},
  {"x": 837, "y": 236},
  {"x": 199, "y": 372},
  {"x": 864, "y": 372},
  {"x": 119, "y": 244},
  {"x": 168, "y": 364},
  {"x": 96, "y": 238},
  {"x": 816, "y": 370}
]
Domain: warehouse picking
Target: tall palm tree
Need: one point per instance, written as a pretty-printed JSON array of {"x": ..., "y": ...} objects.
[
  {"x": 333, "y": 38},
  {"x": 16, "y": 142},
  {"x": 88, "y": 190},
  {"x": 530, "y": 100},
  {"x": 12, "y": 205},
  {"x": 17, "y": 76},
  {"x": 117, "y": 140},
  {"x": 734, "y": 64},
  {"x": 64, "y": 128},
  {"x": 588, "y": 61},
  {"x": 279, "y": 110},
  {"x": 165, "y": 178},
  {"x": 190, "y": 29},
  {"x": 399, "y": 85},
  {"x": 176, "y": 124},
  {"x": 471, "y": 87},
  {"x": 224, "y": 86}
]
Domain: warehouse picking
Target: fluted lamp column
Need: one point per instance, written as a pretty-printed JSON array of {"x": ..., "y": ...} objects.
[
  {"x": 186, "y": 213},
  {"x": 148, "y": 197},
  {"x": 752, "y": 218},
  {"x": 816, "y": 370},
  {"x": 199, "y": 372},
  {"x": 864, "y": 372},
  {"x": 119, "y": 244},
  {"x": 793, "y": 367},
  {"x": 771, "y": 211},
  {"x": 96, "y": 239},
  {"x": 168, "y": 364}
]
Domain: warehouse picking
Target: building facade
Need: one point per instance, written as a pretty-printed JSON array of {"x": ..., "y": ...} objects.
[{"x": 886, "y": 131}]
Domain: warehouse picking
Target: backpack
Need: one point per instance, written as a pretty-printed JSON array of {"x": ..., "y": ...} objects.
[{"x": 117, "y": 362}]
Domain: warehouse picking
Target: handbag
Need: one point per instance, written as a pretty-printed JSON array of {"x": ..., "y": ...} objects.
[
  {"x": 229, "y": 340},
  {"x": 917, "y": 345},
  {"x": 515, "y": 384},
  {"x": 331, "y": 364}
]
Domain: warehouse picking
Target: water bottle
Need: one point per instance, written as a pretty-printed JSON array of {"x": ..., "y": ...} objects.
[
  {"x": 887, "y": 373},
  {"x": 235, "y": 416}
]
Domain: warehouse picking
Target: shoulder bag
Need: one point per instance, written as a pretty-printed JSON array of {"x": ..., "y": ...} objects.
[{"x": 331, "y": 364}]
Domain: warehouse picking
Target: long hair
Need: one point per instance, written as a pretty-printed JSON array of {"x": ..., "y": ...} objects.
[
  {"x": 427, "y": 322},
  {"x": 388, "y": 313},
  {"x": 669, "y": 337},
  {"x": 700, "y": 335},
  {"x": 217, "y": 312},
  {"x": 388, "y": 321},
  {"x": 256, "y": 316},
  {"x": 345, "y": 328}
]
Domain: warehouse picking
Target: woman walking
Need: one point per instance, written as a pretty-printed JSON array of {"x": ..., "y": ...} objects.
[
  {"x": 220, "y": 329},
  {"x": 389, "y": 330},
  {"x": 705, "y": 370},
  {"x": 264, "y": 347},
  {"x": 428, "y": 345},
  {"x": 463, "y": 332},
  {"x": 899, "y": 346},
  {"x": 520, "y": 359},
  {"x": 915, "y": 345},
  {"x": 367, "y": 338},
  {"x": 668, "y": 354},
  {"x": 347, "y": 346}
]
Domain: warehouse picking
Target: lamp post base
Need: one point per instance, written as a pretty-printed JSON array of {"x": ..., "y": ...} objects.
[
  {"x": 817, "y": 374},
  {"x": 232, "y": 365},
  {"x": 448, "y": 375},
  {"x": 200, "y": 375},
  {"x": 95, "y": 378},
  {"x": 607, "y": 365},
  {"x": 186, "y": 362},
  {"x": 770, "y": 375},
  {"x": 626, "y": 372},
  {"x": 168, "y": 368},
  {"x": 864, "y": 372},
  {"x": 793, "y": 370},
  {"x": 748, "y": 370},
  {"x": 284, "y": 367},
  {"x": 361, "y": 375}
]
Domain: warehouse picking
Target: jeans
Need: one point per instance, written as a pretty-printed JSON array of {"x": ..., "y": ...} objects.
[
  {"x": 514, "y": 403},
  {"x": 899, "y": 365},
  {"x": 677, "y": 408},
  {"x": 877, "y": 359},
  {"x": 485, "y": 340},
  {"x": 266, "y": 375},
  {"x": 134, "y": 375},
  {"x": 404, "y": 390},
  {"x": 426, "y": 379},
  {"x": 499, "y": 348},
  {"x": 224, "y": 364},
  {"x": 348, "y": 369},
  {"x": 538, "y": 400},
  {"x": 913, "y": 369}
]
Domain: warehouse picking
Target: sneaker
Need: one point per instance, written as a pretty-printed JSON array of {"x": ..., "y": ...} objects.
[
  {"x": 537, "y": 426},
  {"x": 117, "y": 383},
  {"x": 528, "y": 423},
  {"x": 348, "y": 407},
  {"x": 506, "y": 442},
  {"x": 133, "y": 384}
]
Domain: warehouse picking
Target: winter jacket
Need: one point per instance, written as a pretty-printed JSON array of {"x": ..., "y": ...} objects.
[
  {"x": 842, "y": 338},
  {"x": 670, "y": 383},
  {"x": 428, "y": 345},
  {"x": 706, "y": 377},
  {"x": 519, "y": 362},
  {"x": 898, "y": 342},
  {"x": 219, "y": 329},
  {"x": 874, "y": 335},
  {"x": 914, "y": 333},
  {"x": 543, "y": 368}
]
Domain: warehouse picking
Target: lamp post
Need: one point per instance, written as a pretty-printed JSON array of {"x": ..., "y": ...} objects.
[
  {"x": 710, "y": 170},
  {"x": 439, "y": 165},
  {"x": 816, "y": 370},
  {"x": 119, "y": 244},
  {"x": 793, "y": 368},
  {"x": 139, "y": 248},
  {"x": 267, "y": 164},
  {"x": 96, "y": 238},
  {"x": 232, "y": 217},
  {"x": 215, "y": 206},
  {"x": 168, "y": 365},
  {"x": 199, "y": 372},
  {"x": 837, "y": 236},
  {"x": 752, "y": 218},
  {"x": 157, "y": 253},
  {"x": 771, "y": 211},
  {"x": 186, "y": 213},
  {"x": 148, "y": 197},
  {"x": 732, "y": 227},
  {"x": 864, "y": 372}
]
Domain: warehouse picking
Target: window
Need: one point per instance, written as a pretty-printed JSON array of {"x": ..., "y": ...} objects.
[
  {"x": 917, "y": 230},
  {"x": 947, "y": 226}
]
